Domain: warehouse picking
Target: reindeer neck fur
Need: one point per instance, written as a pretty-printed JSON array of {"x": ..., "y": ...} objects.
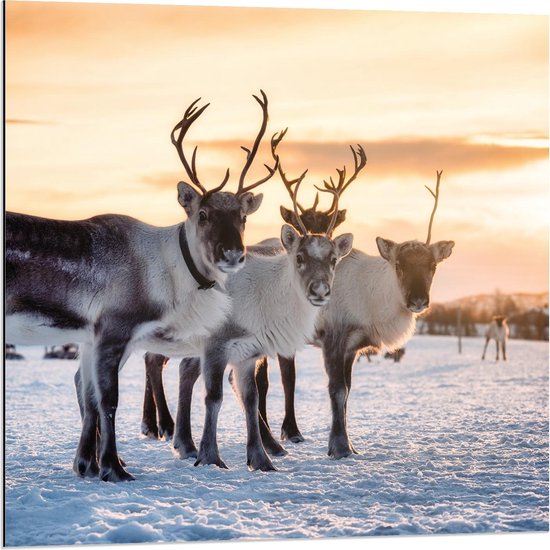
[
  {"x": 367, "y": 298},
  {"x": 190, "y": 317},
  {"x": 202, "y": 263},
  {"x": 270, "y": 305}
]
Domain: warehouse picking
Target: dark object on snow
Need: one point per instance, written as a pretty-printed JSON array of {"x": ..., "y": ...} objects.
[
  {"x": 395, "y": 355},
  {"x": 10, "y": 353},
  {"x": 67, "y": 351}
]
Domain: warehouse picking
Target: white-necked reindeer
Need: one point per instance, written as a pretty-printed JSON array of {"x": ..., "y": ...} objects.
[
  {"x": 115, "y": 284},
  {"x": 375, "y": 303},
  {"x": 498, "y": 331},
  {"x": 276, "y": 300}
]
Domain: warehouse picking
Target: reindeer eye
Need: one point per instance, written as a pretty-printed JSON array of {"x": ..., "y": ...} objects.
[
  {"x": 333, "y": 261},
  {"x": 244, "y": 219},
  {"x": 299, "y": 260},
  {"x": 203, "y": 216}
]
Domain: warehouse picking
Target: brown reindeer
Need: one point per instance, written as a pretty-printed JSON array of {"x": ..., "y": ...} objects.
[{"x": 375, "y": 303}]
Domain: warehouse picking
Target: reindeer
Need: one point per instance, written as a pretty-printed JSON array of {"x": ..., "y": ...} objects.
[
  {"x": 115, "y": 284},
  {"x": 275, "y": 302},
  {"x": 498, "y": 331},
  {"x": 375, "y": 303}
]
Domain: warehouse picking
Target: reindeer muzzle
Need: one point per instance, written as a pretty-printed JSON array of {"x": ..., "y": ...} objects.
[
  {"x": 418, "y": 305},
  {"x": 318, "y": 293},
  {"x": 230, "y": 261}
]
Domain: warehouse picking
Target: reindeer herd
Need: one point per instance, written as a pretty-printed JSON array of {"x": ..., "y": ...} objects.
[{"x": 194, "y": 291}]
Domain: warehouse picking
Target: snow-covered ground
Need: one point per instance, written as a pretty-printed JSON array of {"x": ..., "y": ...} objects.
[{"x": 449, "y": 444}]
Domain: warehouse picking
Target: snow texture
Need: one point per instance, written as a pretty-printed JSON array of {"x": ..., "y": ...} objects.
[{"x": 449, "y": 444}]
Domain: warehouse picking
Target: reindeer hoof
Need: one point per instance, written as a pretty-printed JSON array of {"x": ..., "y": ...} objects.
[
  {"x": 151, "y": 433},
  {"x": 166, "y": 432},
  {"x": 220, "y": 463},
  {"x": 115, "y": 474},
  {"x": 339, "y": 448},
  {"x": 264, "y": 466},
  {"x": 274, "y": 448},
  {"x": 258, "y": 460},
  {"x": 205, "y": 458},
  {"x": 185, "y": 450},
  {"x": 85, "y": 467},
  {"x": 291, "y": 433}
]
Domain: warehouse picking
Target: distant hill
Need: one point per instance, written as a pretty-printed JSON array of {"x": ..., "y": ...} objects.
[
  {"x": 498, "y": 302},
  {"x": 527, "y": 315}
]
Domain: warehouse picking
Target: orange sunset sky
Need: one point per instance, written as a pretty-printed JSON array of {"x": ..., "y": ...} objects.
[{"x": 93, "y": 91}]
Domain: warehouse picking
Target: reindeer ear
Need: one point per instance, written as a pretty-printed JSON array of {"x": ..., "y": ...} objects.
[
  {"x": 289, "y": 237},
  {"x": 442, "y": 250},
  {"x": 250, "y": 202},
  {"x": 386, "y": 248},
  {"x": 288, "y": 216},
  {"x": 340, "y": 217},
  {"x": 187, "y": 197},
  {"x": 343, "y": 244}
]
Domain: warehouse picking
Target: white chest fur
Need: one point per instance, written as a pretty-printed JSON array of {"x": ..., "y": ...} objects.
[{"x": 183, "y": 329}]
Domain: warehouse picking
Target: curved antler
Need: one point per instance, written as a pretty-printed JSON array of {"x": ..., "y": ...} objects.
[
  {"x": 251, "y": 153},
  {"x": 334, "y": 216},
  {"x": 359, "y": 161},
  {"x": 436, "y": 199},
  {"x": 299, "y": 221},
  {"x": 191, "y": 114}
]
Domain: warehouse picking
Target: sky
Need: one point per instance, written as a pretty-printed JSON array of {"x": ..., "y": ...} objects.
[{"x": 93, "y": 91}]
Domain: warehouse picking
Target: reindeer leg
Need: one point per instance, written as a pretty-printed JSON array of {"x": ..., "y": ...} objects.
[
  {"x": 262, "y": 383},
  {"x": 348, "y": 367},
  {"x": 289, "y": 429},
  {"x": 336, "y": 366},
  {"x": 485, "y": 348},
  {"x": 189, "y": 371},
  {"x": 165, "y": 421},
  {"x": 110, "y": 354},
  {"x": 85, "y": 462},
  {"x": 153, "y": 362},
  {"x": 213, "y": 367},
  {"x": 497, "y": 345},
  {"x": 504, "y": 350},
  {"x": 245, "y": 382},
  {"x": 271, "y": 445}
]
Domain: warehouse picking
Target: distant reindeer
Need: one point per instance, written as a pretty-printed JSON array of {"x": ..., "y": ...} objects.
[
  {"x": 375, "y": 303},
  {"x": 396, "y": 354},
  {"x": 115, "y": 284},
  {"x": 498, "y": 331}
]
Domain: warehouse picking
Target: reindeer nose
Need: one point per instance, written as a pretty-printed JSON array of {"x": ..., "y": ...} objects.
[
  {"x": 418, "y": 305},
  {"x": 319, "y": 290},
  {"x": 233, "y": 257}
]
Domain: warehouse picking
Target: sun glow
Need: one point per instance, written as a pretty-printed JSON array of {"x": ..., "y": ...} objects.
[{"x": 93, "y": 90}]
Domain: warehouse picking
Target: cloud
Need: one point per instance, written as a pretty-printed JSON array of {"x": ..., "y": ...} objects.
[
  {"x": 388, "y": 158},
  {"x": 28, "y": 121}
]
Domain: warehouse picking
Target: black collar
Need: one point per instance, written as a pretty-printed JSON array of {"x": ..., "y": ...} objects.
[{"x": 204, "y": 283}]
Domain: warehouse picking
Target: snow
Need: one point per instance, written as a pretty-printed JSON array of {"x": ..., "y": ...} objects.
[{"x": 449, "y": 444}]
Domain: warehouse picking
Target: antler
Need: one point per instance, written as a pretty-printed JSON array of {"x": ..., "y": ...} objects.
[
  {"x": 436, "y": 198},
  {"x": 191, "y": 114},
  {"x": 293, "y": 193},
  {"x": 299, "y": 221},
  {"x": 335, "y": 200},
  {"x": 251, "y": 153},
  {"x": 359, "y": 161}
]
